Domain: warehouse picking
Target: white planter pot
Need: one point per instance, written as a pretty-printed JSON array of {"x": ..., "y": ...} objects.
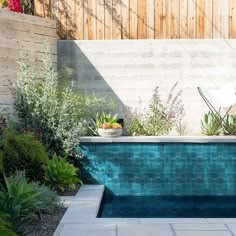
[{"x": 109, "y": 132}]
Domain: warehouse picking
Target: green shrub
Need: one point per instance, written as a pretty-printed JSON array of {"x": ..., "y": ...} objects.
[
  {"x": 60, "y": 174},
  {"x": 159, "y": 118},
  {"x": 22, "y": 200},
  {"x": 211, "y": 124},
  {"x": 48, "y": 198},
  {"x": 21, "y": 151},
  {"x": 19, "y": 200},
  {"x": 6, "y": 227},
  {"x": 58, "y": 116},
  {"x": 229, "y": 125}
]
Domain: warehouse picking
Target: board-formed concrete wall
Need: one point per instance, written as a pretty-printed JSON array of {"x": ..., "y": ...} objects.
[
  {"x": 130, "y": 70},
  {"x": 26, "y": 34}
]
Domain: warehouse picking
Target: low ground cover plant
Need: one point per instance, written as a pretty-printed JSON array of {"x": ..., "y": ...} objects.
[{"x": 159, "y": 118}]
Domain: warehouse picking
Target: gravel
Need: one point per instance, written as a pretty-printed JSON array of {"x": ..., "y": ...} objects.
[{"x": 47, "y": 225}]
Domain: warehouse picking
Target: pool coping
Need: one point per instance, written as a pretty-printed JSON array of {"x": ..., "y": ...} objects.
[
  {"x": 81, "y": 219},
  {"x": 159, "y": 139}
]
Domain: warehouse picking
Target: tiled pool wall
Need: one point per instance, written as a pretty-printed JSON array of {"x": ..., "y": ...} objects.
[{"x": 162, "y": 169}]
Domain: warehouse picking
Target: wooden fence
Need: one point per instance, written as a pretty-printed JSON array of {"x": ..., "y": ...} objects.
[
  {"x": 141, "y": 19},
  {"x": 19, "y": 32}
]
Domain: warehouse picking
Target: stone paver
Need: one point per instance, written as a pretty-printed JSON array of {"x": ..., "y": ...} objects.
[
  {"x": 81, "y": 219},
  {"x": 199, "y": 227},
  {"x": 116, "y": 221},
  {"x": 88, "y": 230},
  {"x": 145, "y": 230},
  {"x": 232, "y": 228},
  {"x": 172, "y": 220},
  {"x": 203, "y": 233}
]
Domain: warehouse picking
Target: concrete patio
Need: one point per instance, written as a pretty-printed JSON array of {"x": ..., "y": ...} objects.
[{"x": 81, "y": 220}]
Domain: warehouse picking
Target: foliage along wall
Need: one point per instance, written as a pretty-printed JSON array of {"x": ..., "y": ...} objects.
[{"x": 141, "y": 19}]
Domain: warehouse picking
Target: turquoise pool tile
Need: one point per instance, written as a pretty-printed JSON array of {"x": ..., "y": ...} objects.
[{"x": 162, "y": 169}]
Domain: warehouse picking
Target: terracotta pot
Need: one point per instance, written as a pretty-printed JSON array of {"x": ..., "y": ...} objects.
[{"x": 109, "y": 132}]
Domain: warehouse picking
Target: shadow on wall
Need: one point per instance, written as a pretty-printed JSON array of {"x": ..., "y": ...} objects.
[{"x": 84, "y": 76}]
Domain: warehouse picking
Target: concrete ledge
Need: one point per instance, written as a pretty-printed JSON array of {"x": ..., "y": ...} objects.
[{"x": 160, "y": 139}]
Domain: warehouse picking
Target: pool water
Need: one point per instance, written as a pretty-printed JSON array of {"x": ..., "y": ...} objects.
[{"x": 167, "y": 207}]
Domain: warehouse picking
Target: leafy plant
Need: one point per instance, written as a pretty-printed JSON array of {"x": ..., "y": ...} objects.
[
  {"x": 19, "y": 200},
  {"x": 229, "y": 125},
  {"x": 105, "y": 117},
  {"x": 22, "y": 200},
  {"x": 48, "y": 198},
  {"x": 57, "y": 115},
  {"x": 211, "y": 124},
  {"x": 60, "y": 174},
  {"x": 6, "y": 227},
  {"x": 107, "y": 121},
  {"x": 21, "y": 151},
  {"x": 159, "y": 118}
]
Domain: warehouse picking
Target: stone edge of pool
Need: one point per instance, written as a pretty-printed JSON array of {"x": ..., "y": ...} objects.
[
  {"x": 159, "y": 139},
  {"x": 81, "y": 219}
]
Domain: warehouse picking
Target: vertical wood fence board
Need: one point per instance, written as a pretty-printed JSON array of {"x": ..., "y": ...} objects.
[
  {"x": 184, "y": 19},
  {"x": 133, "y": 14},
  {"x": 92, "y": 19},
  {"x": 225, "y": 19},
  {"x": 166, "y": 18},
  {"x": 232, "y": 19},
  {"x": 208, "y": 29},
  {"x": 85, "y": 20},
  {"x": 175, "y": 20},
  {"x": 108, "y": 19},
  {"x": 142, "y": 21},
  {"x": 100, "y": 19},
  {"x": 216, "y": 18},
  {"x": 200, "y": 12},
  {"x": 78, "y": 20},
  {"x": 158, "y": 19},
  {"x": 116, "y": 19},
  {"x": 125, "y": 20},
  {"x": 192, "y": 19},
  {"x": 150, "y": 19}
]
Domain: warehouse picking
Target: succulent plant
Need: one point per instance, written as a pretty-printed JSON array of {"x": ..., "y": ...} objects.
[
  {"x": 229, "y": 125},
  {"x": 211, "y": 124}
]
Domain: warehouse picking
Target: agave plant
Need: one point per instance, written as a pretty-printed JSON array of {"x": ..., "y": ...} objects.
[
  {"x": 19, "y": 200},
  {"x": 229, "y": 125},
  {"x": 211, "y": 124}
]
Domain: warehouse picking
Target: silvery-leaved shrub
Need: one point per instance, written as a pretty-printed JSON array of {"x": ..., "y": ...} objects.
[{"x": 58, "y": 115}]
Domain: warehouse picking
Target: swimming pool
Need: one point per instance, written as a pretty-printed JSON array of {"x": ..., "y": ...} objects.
[
  {"x": 163, "y": 172},
  {"x": 167, "y": 207}
]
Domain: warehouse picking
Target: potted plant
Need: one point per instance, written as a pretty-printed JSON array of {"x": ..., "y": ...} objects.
[{"x": 107, "y": 125}]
